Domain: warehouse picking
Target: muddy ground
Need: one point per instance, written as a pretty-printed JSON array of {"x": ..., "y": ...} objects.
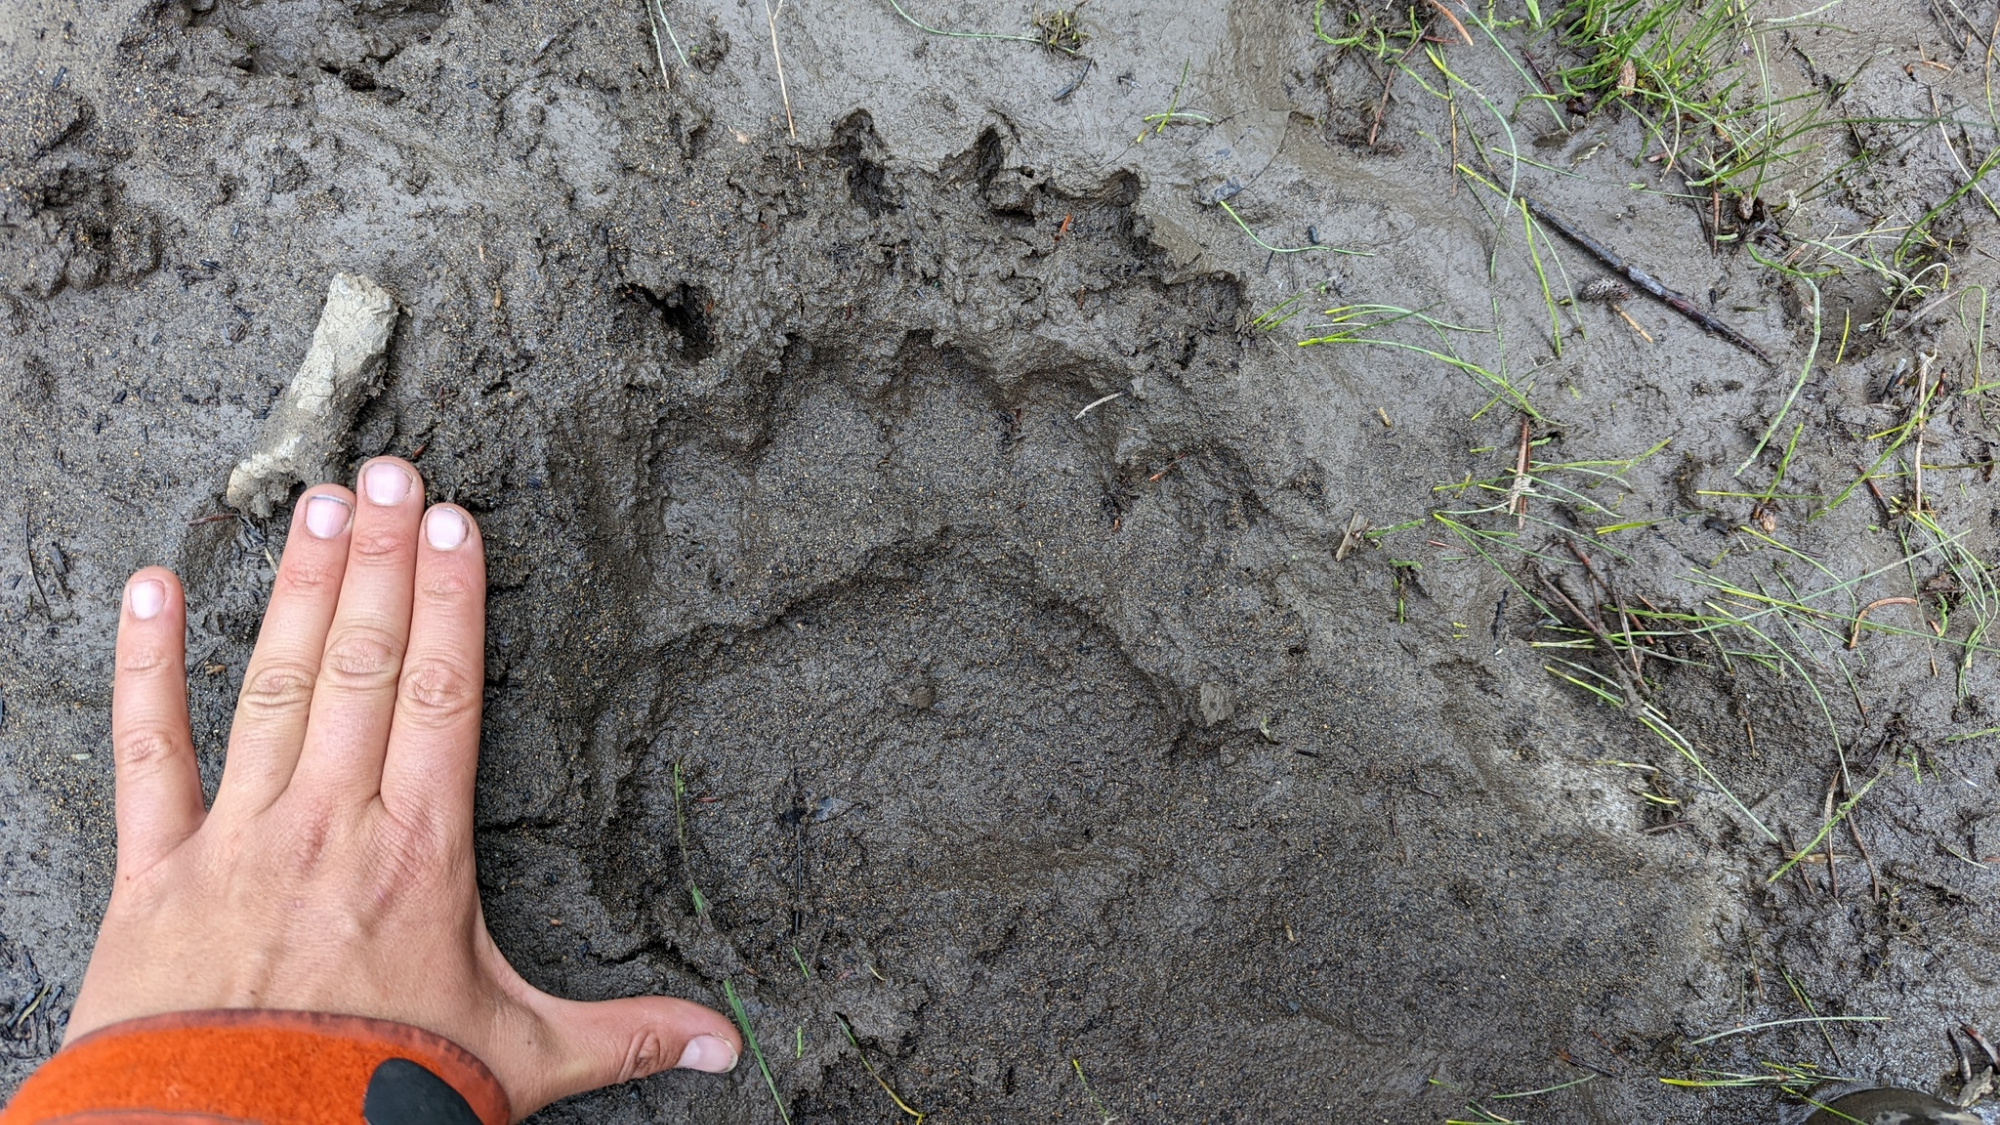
[{"x": 1034, "y": 742}]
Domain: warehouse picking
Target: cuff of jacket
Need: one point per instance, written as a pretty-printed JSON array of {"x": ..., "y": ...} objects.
[{"x": 259, "y": 1065}]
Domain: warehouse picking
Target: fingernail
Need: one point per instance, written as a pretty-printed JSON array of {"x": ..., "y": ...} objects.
[
  {"x": 326, "y": 516},
  {"x": 445, "y": 528},
  {"x": 709, "y": 1053},
  {"x": 386, "y": 483},
  {"x": 147, "y": 598}
]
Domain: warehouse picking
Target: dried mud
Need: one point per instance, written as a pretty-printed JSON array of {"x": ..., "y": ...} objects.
[{"x": 1011, "y": 734}]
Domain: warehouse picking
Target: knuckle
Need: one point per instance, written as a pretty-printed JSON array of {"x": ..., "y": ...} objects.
[
  {"x": 307, "y": 836},
  {"x": 141, "y": 890},
  {"x": 400, "y": 863},
  {"x": 647, "y": 1055},
  {"x": 361, "y": 657},
  {"x": 147, "y": 747},
  {"x": 276, "y": 687},
  {"x": 298, "y": 575},
  {"x": 403, "y": 851},
  {"x": 437, "y": 692},
  {"x": 142, "y": 658},
  {"x": 428, "y": 829},
  {"x": 382, "y": 544},
  {"x": 445, "y": 584}
]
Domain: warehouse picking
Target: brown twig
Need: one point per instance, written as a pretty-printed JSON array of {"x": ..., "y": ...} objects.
[
  {"x": 1875, "y": 490},
  {"x": 1632, "y": 693},
  {"x": 1798, "y": 869},
  {"x": 1446, "y": 13},
  {"x": 1643, "y": 334},
  {"x": 1631, "y": 641},
  {"x": 28, "y": 536},
  {"x": 1588, "y": 566},
  {"x": 1874, "y": 877},
  {"x": 1624, "y": 617},
  {"x": 1854, "y": 638},
  {"x": 1832, "y": 868},
  {"x": 1350, "y": 538},
  {"x": 1572, "y": 1060},
  {"x": 1382, "y": 104},
  {"x": 1679, "y": 302},
  {"x": 1535, "y": 69}
]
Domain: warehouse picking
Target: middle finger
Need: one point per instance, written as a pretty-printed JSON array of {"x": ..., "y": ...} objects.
[{"x": 355, "y": 696}]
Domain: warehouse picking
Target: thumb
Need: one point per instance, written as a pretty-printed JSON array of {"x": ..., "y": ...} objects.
[{"x": 598, "y": 1044}]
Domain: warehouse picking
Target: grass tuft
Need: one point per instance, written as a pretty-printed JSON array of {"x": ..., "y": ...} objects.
[{"x": 1060, "y": 31}]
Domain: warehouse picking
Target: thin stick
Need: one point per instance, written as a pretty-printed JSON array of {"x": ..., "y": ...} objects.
[
  {"x": 1098, "y": 403},
  {"x": 28, "y": 536},
  {"x": 1521, "y": 479},
  {"x": 1446, "y": 13},
  {"x": 1679, "y": 302},
  {"x": 1876, "y": 491},
  {"x": 1632, "y": 694},
  {"x": 1643, "y": 334},
  {"x": 1382, "y": 104},
  {"x": 771, "y": 18},
  {"x": 1847, "y": 806},
  {"x": 1624, "y": 615},
  {"x": 1874, "y": 879}
]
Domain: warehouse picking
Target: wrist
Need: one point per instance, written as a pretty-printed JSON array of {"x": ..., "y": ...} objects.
[{"x": 271, "y": 1066}]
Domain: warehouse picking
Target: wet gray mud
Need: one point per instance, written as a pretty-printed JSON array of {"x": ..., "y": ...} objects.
[{"x": 1041, "y": 745}]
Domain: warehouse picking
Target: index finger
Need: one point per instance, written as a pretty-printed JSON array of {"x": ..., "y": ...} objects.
[{"x": 433, "y": 752}]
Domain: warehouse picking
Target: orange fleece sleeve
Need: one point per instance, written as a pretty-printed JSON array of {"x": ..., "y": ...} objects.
[{"x": 268, "y": 1067}]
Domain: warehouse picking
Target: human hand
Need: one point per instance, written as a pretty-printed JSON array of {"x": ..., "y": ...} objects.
[{"x": 335, "y": 871}]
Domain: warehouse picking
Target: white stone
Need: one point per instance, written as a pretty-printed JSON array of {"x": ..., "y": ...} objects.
[{"x": 302, "y": 439}]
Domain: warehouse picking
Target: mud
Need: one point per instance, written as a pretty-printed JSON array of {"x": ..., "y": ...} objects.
[{"x": 1028, "y": 741}]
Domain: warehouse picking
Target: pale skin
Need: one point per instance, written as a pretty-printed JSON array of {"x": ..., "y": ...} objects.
[{"x": 334, "y": 871}]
